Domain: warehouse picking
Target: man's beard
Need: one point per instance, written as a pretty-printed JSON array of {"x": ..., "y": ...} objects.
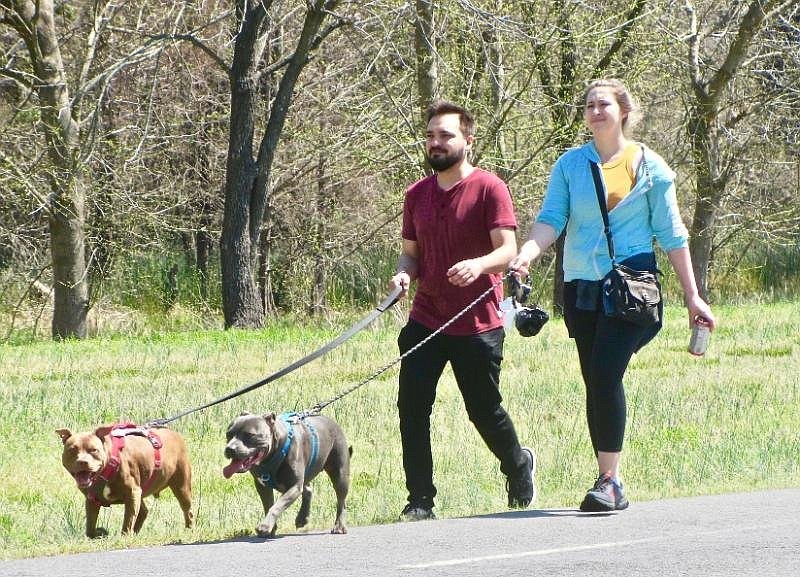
[{"x": 440, "y": 163}]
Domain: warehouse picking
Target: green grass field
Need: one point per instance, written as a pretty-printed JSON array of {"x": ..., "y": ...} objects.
[{"x": 729, "y": 421}]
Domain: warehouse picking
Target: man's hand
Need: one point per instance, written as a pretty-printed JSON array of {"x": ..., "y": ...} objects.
[
  {"x": 465, "y": 273},
  {"x": 401, "y": 279}
]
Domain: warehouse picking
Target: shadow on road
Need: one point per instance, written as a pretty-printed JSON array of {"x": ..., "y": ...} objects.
[{"x": 540, "y": 513}]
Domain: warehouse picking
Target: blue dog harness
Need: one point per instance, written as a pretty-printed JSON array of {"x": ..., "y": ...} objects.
[{"x": 268, "y": 468}]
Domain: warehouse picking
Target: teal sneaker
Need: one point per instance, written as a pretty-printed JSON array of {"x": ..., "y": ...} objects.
[{"x": 606, "y": 495}]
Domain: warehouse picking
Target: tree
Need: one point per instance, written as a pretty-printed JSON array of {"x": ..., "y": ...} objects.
[
  {"x": 720, "y": 47},
  {"x": 425, "y": 49},
  {"x": 67, "y": 96},
  {"x": 248, "y": 175},
  {"x": 66, "y": 205}
]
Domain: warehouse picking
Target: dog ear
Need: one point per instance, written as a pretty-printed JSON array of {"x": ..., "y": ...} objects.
[
  {"x": 270, "y": 418},
  {"x": 244, "y": 413},
  {"x": 103, "y": 430},
  {"x": 64, "y": 434}
]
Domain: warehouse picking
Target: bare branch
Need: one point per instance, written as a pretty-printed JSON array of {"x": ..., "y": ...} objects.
[{"x": 621, "y": 36}]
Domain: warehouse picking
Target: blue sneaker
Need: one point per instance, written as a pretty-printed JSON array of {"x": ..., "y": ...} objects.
[{"x": 606, "y": 495}]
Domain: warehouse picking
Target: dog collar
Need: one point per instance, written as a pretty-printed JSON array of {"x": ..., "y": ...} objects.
[
  {"x": 270, "y": 466},
  {"x": 267, "y": 468}
]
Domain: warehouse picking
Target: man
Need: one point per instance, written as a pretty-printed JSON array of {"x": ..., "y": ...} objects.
[{"x": 458, "y": 234}]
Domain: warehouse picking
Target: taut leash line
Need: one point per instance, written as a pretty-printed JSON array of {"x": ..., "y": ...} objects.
[
  {"x": 359, "y": 326},
  {"x": 319, "y": 406}
]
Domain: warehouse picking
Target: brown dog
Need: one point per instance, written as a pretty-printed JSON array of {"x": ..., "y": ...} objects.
[
  {"x": 285, "y": 453},
  {"x": 123, "y": 463}
]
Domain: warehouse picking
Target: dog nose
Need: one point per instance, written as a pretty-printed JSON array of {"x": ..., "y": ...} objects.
[{"x": 229, "y": 452}]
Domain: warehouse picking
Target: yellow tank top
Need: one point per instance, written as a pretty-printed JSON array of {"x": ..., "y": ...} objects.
[{"x": 619, "y": 177}]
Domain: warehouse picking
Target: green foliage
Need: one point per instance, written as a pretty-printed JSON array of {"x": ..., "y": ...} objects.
[
  {"x": 145, "y": 282},
  {"x": 762, "y": 273}
]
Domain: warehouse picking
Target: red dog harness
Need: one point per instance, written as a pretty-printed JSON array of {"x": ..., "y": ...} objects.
[{"x": 118, "y": 433}]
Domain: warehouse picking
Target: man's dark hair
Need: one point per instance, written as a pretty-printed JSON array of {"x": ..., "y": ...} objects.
[{"x": 439, "y": 107}]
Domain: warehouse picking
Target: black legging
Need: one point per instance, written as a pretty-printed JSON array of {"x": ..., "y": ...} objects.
[{"x": 605, "y": 347}]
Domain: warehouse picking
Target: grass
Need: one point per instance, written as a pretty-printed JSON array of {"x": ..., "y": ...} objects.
[{"x": 724, "y": 422}]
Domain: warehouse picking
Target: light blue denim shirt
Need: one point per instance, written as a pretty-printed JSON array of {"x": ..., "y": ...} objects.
[{"x": 649, "y": 211}]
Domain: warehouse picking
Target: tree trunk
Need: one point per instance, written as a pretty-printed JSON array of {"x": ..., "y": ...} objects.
[
  {"x": 704, "y": 124},
  {"x": 247, "y": 179},
  {"x": 700, "y": 240},
  {"x": 495, "y": 65},
  {"x": 265, "y": 271},
  {"x": 558, "y": 276},
  {"x": 240, "y": 302},
  {"x": 67, "y": 206},
  {"x": 203, "y": 244},
  {"x": 425, "y": 48},
  {"x": 710, "y": 187},
  {"x": 67, "y": 244},
  {"x": 317, "y": 236}
]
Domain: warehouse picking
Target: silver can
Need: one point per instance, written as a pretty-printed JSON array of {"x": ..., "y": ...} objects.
[{"x": 698, "y": 343}]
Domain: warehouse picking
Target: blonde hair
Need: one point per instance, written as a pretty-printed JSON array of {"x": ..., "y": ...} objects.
[{"x": 626, "y": 102}]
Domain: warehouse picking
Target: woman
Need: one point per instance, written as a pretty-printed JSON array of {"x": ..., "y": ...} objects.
[{"x": 641, "y": 200}]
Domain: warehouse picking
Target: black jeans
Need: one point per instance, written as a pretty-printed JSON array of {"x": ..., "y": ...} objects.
[
  {"x": 475, "y": 361},
  {"x": 605, "y": 347}
]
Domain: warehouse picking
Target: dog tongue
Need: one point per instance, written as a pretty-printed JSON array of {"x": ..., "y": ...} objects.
[{"x": 234, "y": 467}]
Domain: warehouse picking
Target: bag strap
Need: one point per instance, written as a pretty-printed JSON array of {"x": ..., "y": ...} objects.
[{"x": 599, "y": 188}]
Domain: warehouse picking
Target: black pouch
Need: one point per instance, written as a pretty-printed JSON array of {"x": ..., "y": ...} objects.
[{"x": 632, "y": 295}]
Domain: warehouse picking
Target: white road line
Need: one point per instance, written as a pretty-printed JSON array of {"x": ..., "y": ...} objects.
[
  {"x": 506, "y": 556},
  {"x": 608, "y": 545}
]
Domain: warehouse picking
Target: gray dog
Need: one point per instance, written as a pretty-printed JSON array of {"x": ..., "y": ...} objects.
[{"x": 286, "y": 452}]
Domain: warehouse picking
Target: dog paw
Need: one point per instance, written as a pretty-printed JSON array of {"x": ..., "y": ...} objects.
[
  {"x": 339, "y": 530},
  {"x": 98, "y": 533},
  {"x": 300, "y": 522}
]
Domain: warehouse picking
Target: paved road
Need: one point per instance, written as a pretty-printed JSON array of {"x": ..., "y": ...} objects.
[{"x": 740, "y": 535}]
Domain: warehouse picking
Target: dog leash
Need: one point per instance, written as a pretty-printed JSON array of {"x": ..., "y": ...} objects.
[
  {"x": 387, "y": 303},
  {"x": 315, "y": 410}
]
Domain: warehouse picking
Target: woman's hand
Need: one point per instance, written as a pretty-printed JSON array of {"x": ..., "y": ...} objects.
[
  {"x": 541, "y": 236},
  {"x": 520, "y": 265},
  {"x": 699, "y": 309}
]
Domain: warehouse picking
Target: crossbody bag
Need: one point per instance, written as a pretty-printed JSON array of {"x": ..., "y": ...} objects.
[{"x": 628, "y": 294}]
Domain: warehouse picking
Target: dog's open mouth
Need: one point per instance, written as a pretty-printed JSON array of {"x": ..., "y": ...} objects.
[
  {"x": 83, "y": 479},
  {"x": 242, "y": 465}
]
